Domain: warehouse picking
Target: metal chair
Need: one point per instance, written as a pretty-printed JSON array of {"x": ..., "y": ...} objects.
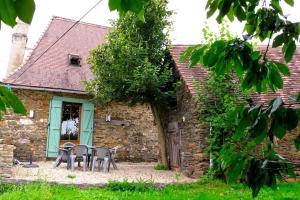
[
  {"x": 103, "y": 156},
  {"x": 79, "y": 153}
]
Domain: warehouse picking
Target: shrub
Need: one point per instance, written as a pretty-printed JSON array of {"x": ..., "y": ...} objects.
[
  {"x": 139, "y": 186},
  {"x": 160, "y": 166}
]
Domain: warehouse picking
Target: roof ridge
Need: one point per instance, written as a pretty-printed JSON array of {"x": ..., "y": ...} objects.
[{"x": 81, "y": 22}]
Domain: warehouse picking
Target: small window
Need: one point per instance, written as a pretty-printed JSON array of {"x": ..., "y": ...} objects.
[{"x": 74, "y": 60}]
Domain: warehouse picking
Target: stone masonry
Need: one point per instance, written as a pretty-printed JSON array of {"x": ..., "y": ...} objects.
[
  {"x": 193, "y": 135},
  {"x": 133, "y": 129},
  {"x": 6, "y": 159}
]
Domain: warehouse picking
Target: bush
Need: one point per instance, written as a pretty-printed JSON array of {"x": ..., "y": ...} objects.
[
  {"x": 160, "y": 166},
  {"x": 139, "y": 186}
]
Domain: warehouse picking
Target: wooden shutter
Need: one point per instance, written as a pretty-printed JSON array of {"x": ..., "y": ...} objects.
[
  {"x": 87, "y": 124},
  {"x": 54, "y": 126}
]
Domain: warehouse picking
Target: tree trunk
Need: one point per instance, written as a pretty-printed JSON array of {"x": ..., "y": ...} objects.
[{"x": 161, "y": 135}]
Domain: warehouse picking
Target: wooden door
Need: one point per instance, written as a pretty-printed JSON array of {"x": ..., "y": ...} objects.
[{"x": 174, "y": 145}]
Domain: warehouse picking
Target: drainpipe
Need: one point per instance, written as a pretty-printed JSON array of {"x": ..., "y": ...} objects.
[{"x": 211, "y": 162}]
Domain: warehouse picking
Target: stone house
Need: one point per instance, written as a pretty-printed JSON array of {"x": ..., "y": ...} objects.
[
  {"x": 50, "y": 85},
  {"x": 195, "y": 133}
]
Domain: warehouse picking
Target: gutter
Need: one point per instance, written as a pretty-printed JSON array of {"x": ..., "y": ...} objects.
[{"x": 47, "y": 89}]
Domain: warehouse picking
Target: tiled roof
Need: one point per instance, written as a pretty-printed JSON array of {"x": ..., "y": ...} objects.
[
  {"x": 291, "y": 83},
  {"x": 53, "y": 70}
]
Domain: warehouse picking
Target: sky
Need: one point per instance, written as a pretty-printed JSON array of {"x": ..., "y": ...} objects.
[{"x": 188, "y": 20}]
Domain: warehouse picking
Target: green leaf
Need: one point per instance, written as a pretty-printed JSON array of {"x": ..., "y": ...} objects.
[
  {"x": 250, "y": 28},
  {"x": 275, "y": 4},
  {"x": 255, "y": 55},
  {"x": 230, "y": 14},
  {"x": 220, "y": 66},
  {"x": 25, "y": 10},
  {"x": 291, "y": 119},
  {"x": 278, "y": 130},
  {"x": 276, "y": 77},
  {"x": 210, "y": 58},
  {"x": 196, "y": 56},
  {"x": 240, "y": 13},
  {"x": 7, "y": 12},
  {"x": 260, "y": 128},
  {"x": 11, "y": 100},
  {"x": 187, "y": 53},
  {"x": 114, "y": 4},
  {"x": 290, "y": 2},
  {"x": 212, "y": 8},
  {"x": 225, "y": 8},
  {"x": 291, "y": 48},
  {"x": 284, "y": 69},
  {"x": 279, "y": 40}
]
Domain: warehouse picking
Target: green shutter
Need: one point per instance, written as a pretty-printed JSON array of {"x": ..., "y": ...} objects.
[
  {"x": 54, "y": 126},
  {"x": 87, "y": 124}
]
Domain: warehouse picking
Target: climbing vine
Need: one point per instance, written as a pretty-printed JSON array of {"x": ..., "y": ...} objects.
[{"x": 220, "y": 95}]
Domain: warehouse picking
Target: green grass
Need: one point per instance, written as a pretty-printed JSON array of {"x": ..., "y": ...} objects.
[{"x": 213, "y": 190}]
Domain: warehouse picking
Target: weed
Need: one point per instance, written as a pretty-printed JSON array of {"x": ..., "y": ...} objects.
[
  {"x": 71, "y": 176},
  {"x": 160, "y": 166}
]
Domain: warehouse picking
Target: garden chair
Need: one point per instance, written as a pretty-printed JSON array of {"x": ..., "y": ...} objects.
[
  {"x": 79, "y": 153},
  {"x": 102, "y": 155},
  {"x": 64, "y": 154},
  {"x": 113, "y": 152}
]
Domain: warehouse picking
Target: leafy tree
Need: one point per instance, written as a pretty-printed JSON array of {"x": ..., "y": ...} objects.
[
  {"x": 133, "y": 65},
  {"x": 258, "y": 124},
  {"x": 220, "y": 94}
]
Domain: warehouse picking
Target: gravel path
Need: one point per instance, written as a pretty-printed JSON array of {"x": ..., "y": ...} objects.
[{"x": 126, "y": 171}]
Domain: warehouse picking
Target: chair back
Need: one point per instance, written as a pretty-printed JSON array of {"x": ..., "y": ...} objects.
[
  {"x": 102, "y": 152},
  {"x": 80, "y": 150},
  {"x": 68, "y": 145},
  {"x": 114, "y": 149}
]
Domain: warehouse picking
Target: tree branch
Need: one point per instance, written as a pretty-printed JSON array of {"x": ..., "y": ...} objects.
[{"x": 267, "y": 49}]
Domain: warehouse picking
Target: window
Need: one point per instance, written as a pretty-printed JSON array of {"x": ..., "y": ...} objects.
[
  {"x": 74, "y": 60},
  {"x": 70, "y": 124}
]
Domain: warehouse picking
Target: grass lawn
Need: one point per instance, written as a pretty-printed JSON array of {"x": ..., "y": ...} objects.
[{"x": 203, "y": 191}]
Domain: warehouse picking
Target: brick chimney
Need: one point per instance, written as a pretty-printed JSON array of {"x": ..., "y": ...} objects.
[{"x": 19, "y": 40}]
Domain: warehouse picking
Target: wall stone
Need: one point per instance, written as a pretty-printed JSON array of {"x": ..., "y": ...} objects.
[
  {"x": 6, "y": 159},
  {"x": 137, "y": 139},
  {"x": 193, "y": 135}
]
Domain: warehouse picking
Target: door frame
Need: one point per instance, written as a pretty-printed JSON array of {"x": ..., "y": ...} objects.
[{"x": 63, "y": 99}]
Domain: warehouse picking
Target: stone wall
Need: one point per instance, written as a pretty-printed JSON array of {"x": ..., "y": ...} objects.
[
  {"x": 137, "y": 137},
  {"x": 193, "y": 135},
  {"x": 6, "y": 159}
]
